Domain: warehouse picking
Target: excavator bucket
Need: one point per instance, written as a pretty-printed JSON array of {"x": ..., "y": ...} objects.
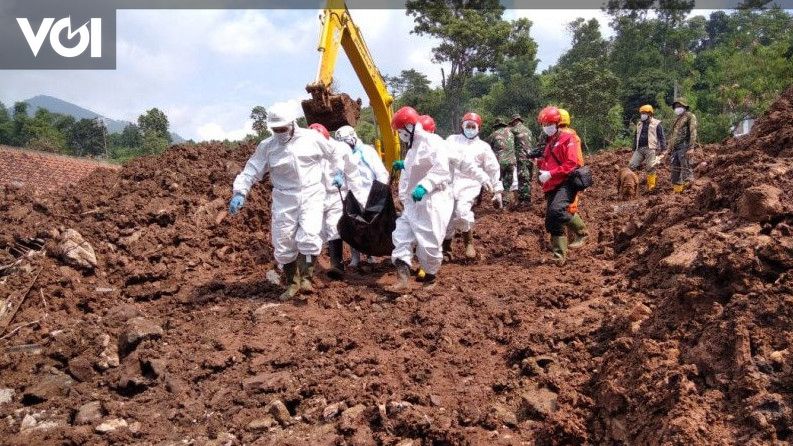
[{"x": 330, "y": 110}]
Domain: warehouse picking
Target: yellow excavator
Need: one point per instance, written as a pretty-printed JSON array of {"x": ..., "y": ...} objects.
[{"x": 335, "y": 110}]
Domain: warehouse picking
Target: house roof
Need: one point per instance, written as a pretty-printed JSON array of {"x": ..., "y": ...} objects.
[{"x": 45, "y": 171}]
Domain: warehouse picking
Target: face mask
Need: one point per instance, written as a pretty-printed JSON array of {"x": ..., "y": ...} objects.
[
  {"x": 351, "y": 141},
  {"x": 679, "y": 111},
  {"x": 470, "y": 133},
  {"x": 645, "y": 116},
  {"x": 549, "y": 130},
  {"x": 284, "y": 137},
  {"x": 406, "y": 134}
]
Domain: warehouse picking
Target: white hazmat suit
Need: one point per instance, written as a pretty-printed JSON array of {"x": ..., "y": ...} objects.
[
  {"x": 475, "y": 166},
  {"x": 296, "y": 172},
  {"x": 332, "y": 209},
  {"x": 424, "y": 223}
]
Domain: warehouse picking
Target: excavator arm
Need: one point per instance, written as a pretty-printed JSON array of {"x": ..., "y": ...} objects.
[{"x": 336, "y": 110}]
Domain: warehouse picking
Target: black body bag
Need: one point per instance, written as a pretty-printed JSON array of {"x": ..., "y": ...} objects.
[{"x": 368, "y": 229}]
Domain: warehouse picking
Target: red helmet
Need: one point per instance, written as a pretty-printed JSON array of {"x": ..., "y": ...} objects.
[
  {"x": 427, "y": 123},
  {"x": 549, "y": 115},
  {"x": 403, "y": 117},
  {"x": 321, "y": 129},
  {"x": 471, "y": 116}
]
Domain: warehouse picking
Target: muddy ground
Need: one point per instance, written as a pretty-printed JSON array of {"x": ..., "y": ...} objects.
[{"x": 672, "y": 326}]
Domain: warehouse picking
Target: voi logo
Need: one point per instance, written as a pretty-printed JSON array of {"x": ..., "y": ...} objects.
[{"x": 90, "y": 34}]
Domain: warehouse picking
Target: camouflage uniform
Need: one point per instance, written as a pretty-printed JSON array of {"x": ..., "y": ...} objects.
[
  {"x": 524, "y": 142},
  {"x": 684, "y": 135},
  {"x": 503, "y": 144}
]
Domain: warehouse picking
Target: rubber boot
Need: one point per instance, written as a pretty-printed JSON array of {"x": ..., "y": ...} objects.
[
  {"x": 403, "y": 274},
  {"x": 335, "y": 250},
  {"x": 651, "y": 178},
  {"x": 306, "y": 269},
  {"x": 292, "y": 278},
  {"x": 420, "y": 275},
  {"x": 513, "y": 200},
  {"x": 447, "y": 250},
  {"x": 429, "y": 281},
  {"x": 678, "y": 188},
  {"x": 578, "y": 228},
  {"x": 559, "y": 247},
  {"x": 470, "y": 251}
]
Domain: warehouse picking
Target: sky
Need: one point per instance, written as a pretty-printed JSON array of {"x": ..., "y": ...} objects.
[{"x": 206, "y": 69}]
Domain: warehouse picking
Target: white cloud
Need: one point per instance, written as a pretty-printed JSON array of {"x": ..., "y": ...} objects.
[
  {"x": 215, "y": 131},
  {"x": 251, "y": 33}
]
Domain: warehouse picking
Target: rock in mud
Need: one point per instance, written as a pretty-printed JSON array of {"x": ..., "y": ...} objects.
[
  {"x": 111, "y": 425},
  {"x": 267, "y": 382},
  {"x": 760, "y": 203},
  {"x": 74, "y": 250},
  {"x": 6, "y": 395},
  {"x": 279, "y": 411},
  {"x": 88, "y": 413},
  {"x": 50, "y": 386},
  {"x": 136, "y": 330},
  {"x": 536, "y": 403}
]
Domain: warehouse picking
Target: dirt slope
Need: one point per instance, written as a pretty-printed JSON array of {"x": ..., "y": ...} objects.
[{"x": 671, "y": 326}]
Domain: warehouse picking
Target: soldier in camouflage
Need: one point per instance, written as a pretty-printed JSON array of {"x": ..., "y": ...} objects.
[
  {"x": 524, "y": 143},
  {"x": 683, "y": 137},
  {"x": 503, "y": 143}
]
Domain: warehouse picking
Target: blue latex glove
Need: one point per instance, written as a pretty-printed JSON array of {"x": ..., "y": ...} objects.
[
  {"x": 399, "y": 165},
  {"x": 236, "y": 203},
  {"x": 419, "y": 192},
  {"x": 338, "y": 180}
]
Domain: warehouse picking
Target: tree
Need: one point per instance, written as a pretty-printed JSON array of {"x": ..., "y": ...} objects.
[
  {"x": 259, "y": 116},
  {"x": 43, "y": 133},
  {"x": 21, "y": 131},
  {"x": 87, "y": 137},
  {"x": 409, "y": 83},
  {"x": 130, "y": 137},
  {"x": 6, "y": 126},
  {"x": 587, "y": 90},
  {"x": 473, "y": 38},
  {"x": 154, "y": 122}
]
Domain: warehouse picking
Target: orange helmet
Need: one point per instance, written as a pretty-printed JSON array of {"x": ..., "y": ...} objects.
[
  {"x": 403, "y": 117},
  {"x": 471, "y": 116},
  {"x": 549, "y": 115},
  {"x": 427, "y": 123}
]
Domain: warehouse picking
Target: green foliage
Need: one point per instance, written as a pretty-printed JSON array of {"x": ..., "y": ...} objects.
[
  {"x": 87, "y": 137},
  {"x": 259, "y": 116},
  {"x": 154, "y": 123}
]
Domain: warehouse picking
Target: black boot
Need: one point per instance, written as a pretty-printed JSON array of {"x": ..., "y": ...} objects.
[
  {"x": 403, "y": 273},
  {"x": 335, "y": 250}
]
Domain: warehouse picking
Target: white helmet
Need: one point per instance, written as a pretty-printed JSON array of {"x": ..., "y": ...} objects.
[
  {"x": 280, "y": 115},
  {"x": 344, "y": 132}
]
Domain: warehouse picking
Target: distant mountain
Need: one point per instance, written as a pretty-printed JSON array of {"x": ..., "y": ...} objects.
[{"x": 56, "y": 105}]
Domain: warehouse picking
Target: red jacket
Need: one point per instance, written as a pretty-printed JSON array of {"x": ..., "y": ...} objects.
[{"x": 564, "y": 148}]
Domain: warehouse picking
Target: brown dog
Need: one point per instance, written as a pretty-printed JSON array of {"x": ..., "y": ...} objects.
[{"x": 627, "y": 183}]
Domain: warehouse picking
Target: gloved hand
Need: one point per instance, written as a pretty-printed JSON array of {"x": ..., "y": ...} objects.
[
  {"x": 398, "y": 165},
  {"x": 487, "y": 187},
  {"x": 338, "y": 180},
  {"x": 536, "y": 153},
  {"x": 544, "y": 176},
  {"x": 418, "y": 193},
  {"x": 498, "y": 200},
  {"x": 236, "y": 203}
]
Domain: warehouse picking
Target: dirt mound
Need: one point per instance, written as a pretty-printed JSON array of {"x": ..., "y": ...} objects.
[
  {"x": 671, "y": 325},
  {"x": 705, "y": 358}
]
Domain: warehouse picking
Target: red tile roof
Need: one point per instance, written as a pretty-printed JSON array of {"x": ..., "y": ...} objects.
[{"x": 44, "y": 171}]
